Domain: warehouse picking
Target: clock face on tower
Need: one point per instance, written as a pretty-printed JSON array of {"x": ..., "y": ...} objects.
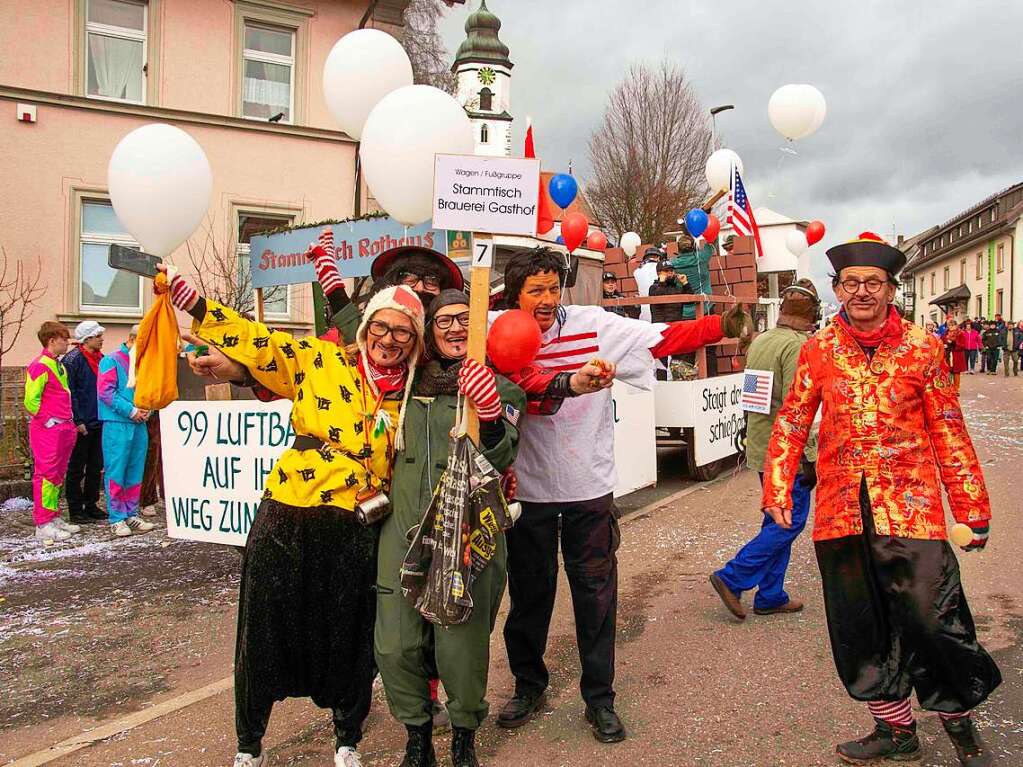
[{"x": 487, "y": 76}]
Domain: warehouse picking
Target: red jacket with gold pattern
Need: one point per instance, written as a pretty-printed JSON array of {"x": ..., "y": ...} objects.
[{"x": 893, "y": 419}]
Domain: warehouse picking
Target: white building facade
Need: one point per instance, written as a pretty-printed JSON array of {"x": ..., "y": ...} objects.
[{"x": 483, "y": 72}]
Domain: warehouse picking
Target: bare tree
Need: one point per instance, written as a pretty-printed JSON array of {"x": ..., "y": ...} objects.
[
  {"x": 425, "y": 48},
  {"x": 19, "y": 292},
  {"x": 648, "y": 155}
]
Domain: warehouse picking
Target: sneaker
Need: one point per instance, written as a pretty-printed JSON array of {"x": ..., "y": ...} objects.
[
  {"x": 347, "y": 757},
  {"x": 148, "y": 511},
  {"x": 139, "y": 525},
  {"x": 969, "y": 747},
  {"x": 121, "y": 530},
  {"x": 51, "y": 533},
  {"x": 66, "y": 526},
  {"x": 244, "y": 760},
  {"x": 896, "y": 744}
]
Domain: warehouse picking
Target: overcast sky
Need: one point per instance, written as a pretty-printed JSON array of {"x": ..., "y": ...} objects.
[{"x": 925, "y": 100}]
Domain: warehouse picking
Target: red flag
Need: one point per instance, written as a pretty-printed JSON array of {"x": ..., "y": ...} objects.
[{"x": 544, "y": 216}]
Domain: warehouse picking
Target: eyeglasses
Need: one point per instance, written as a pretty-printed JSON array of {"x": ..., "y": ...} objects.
[
  {"x": 379, "y": 329},
  {"x": 445, "y": 321},
  {"x": 853, "y": 286},
  {"x": 411, "y": 279}
]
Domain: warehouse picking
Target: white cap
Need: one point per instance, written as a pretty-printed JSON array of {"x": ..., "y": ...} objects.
[{"x": 88, "y": 329}]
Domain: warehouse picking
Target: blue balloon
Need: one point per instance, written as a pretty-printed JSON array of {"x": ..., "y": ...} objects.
[
  {"x": 696, "y": 222},
  {"x": 560, "y": 240},
  {"x": 563, "y": 189}
]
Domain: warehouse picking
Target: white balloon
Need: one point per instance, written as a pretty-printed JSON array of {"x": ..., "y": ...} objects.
[
  {"x": 362, "y": 68},
  {"x": 160, "y": 183},
  {"x": 719, "y": 169},
  {"x": 796, "y": 242},
  {"x": 796, "y": 111},
  {"x": 629, "y": 242},
  {"x": 401, "y": 137}
]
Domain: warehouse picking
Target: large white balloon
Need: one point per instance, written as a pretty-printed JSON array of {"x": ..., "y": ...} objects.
[
  {"x": 719, "y": 169},
  {"x": 160, "y": 184},
  {"x": 796, "y": 111},
  {"x": 796, "y": 242},
  {"x": 362, "y": 68},
  {"x": 402, "y": 135},
  {"x": 629, "y": 242}
]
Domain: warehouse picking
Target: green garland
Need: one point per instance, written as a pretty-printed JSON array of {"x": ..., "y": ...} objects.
[{"x": 293, "y": 227}]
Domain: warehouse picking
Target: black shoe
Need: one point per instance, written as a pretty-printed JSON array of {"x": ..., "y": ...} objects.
[
  {"x": 896, "y": 744},
  {"x": 520, "y": 709},
  {"x": 419, "y": 747},
  {"x": 969, "y": 747},
  {"x": 607, "y": 727},
  {"x": 463, "y": 748},
  {"x": 95, "y": 514}
]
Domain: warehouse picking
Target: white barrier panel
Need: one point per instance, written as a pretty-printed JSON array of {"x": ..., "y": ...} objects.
[
  {"x": 216, "y": 457},
  {"x": 718, "y": 418},
  {"x": 635, "y": 440}
]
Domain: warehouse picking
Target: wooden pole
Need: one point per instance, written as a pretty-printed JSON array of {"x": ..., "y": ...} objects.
[
  {"x": 479, "y": 305},
  {"x": 259, "y": 305}
]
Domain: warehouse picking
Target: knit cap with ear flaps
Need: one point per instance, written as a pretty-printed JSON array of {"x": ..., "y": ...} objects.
[
  {"x": 799, "y": 305},
  {"x": 401, "y": 299}
]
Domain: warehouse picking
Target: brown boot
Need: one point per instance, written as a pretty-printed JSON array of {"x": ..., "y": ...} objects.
[
  {"x": 728, "y": 597},
  {"x": 792, "y": 606}
]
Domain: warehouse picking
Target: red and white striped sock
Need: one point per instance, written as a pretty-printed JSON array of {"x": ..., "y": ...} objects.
[
  {"x": 896, "y": 713},
  {"x": 183, "y": 295},
  {"x": 952, "y": 717},
  {"x": 324, "y": 258}
]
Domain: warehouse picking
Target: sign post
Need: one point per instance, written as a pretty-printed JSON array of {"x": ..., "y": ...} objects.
[{"x": 486, "y": 196}]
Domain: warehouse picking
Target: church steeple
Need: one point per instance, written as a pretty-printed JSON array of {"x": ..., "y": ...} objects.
[
  {"x": 483, "y": 71},
  {"x": 482, "y": 44}
]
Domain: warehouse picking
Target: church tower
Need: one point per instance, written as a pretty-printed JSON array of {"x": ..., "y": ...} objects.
[{"x": 483, "y": 71}]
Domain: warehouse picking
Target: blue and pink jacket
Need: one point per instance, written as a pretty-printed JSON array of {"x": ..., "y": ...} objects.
[{"x": 116, "y": 401}]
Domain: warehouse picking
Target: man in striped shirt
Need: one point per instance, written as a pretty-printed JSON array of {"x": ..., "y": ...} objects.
[{"x": 566, "y": 475}]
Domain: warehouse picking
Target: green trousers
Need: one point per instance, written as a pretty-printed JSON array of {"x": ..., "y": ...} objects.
[{"x": 403, "y": 638}]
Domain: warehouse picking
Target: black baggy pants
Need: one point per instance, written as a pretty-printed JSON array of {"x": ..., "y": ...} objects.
[
  {"x": 589, "y": 541},
  {"x": 899, "y": 621},
  {"x": 85, "y": 472}
]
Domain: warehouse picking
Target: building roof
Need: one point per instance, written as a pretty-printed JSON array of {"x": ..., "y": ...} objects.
[
  {"x": 482, "y": 43},
  {"x": 956, "y": 295},
  {"x": 580, "y": 204}
]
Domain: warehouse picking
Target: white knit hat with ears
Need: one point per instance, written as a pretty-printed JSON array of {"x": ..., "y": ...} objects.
[{"x": 401, "y": 299}]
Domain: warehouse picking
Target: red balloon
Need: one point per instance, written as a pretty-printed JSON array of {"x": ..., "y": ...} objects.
[
  {"x": 513, "y": 341},
  {"x": 814, "y": 232},
  {"x": 713, "y": 228},
  {"x": 596, "y": 241},
  {"x": 574, "y": 228}
]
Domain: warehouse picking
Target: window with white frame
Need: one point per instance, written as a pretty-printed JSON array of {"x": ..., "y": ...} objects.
[
  {"x": 276, "y": 301},
  {"x": 1001, "y": 257},
  {"x": 945, "y": 277},
  {"x": 962, "y": 272},
  {"x": 980, "y": 265},
  {"x": 101, "y": 288},
  {"x": 115, "y": 50},
  {"x": 268, "y": 72},
  {"x": 999, "y": 296}
]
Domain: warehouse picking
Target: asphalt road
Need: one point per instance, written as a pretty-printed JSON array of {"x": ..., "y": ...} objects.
[{"x": 95, "y": 633}]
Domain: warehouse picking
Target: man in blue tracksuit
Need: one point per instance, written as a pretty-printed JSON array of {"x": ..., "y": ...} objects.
[
  {"x": 761, "y": 563},
  {"x": 125, "y": 441}
]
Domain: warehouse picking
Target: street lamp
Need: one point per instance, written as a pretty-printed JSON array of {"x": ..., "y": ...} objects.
[{"x": 713, "y": 120}]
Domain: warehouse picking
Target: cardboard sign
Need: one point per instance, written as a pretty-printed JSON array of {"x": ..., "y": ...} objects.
[
  {"x": 635, "y": 437},
  {"x": 493, "y": 195},
  {"x": 279, "y": 259},
  {"x": 216, "y": 458},
  {"x": 718, "y": 418}
]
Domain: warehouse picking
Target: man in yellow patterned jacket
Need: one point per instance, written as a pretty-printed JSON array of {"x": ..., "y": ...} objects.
[{"x": 891, "y": 426}]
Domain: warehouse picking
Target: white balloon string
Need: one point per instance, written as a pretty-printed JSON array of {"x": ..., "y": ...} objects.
[{"x": 785, "y": 151}]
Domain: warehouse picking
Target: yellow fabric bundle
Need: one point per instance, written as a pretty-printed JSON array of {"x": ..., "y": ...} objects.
[{"x": 157, "y": 352}]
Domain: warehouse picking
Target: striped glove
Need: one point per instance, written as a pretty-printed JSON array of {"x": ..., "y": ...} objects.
[
  {"x": 323, "y": 254},
  {"x": 183, "y": 295},
  {"x": 981, "y": 530},
  {"x": 478, "y": 384}
]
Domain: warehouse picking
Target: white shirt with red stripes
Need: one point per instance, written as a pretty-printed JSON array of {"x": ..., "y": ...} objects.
[{"x": 569, "y": 456}]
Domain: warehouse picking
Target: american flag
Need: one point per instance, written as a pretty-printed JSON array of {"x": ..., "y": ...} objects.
[
  {"x": 756, "y": 391},
  {"x": 740, "y": 212}
]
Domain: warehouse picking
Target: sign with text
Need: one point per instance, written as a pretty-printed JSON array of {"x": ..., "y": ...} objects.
[
  {"x": 492, "y": 195},
  {"x": 216, "y": 458},
  {"x": 718, "y": 418},
  {"x": 635, "y": 437},
  {"x": 279, "y": 259}
]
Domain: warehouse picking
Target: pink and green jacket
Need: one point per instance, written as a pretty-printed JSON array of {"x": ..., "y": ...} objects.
[{"x": 47, "y": 394}]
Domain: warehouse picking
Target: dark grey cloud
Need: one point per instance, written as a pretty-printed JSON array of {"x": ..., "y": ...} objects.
[{"x": 924, "y": 99}]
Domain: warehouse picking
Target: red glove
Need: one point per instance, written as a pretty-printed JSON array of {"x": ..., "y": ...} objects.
[
  {"x": 324, "y": 257},
  {"x": 478, "y": 384},
  {"x": 183, "y": 295},
  {"x": 509, "y": 484}
]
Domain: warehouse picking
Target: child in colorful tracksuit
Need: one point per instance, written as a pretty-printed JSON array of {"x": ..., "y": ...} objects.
[
  {"x": 51, "y": 430},
  {"x": 125, "y": 441}
]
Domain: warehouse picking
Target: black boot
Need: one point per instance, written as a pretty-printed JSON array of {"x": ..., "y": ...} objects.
[
  {"x": 463, "y": 748},
  {"x": 896, "y": 744},
  {"x": 419, "y": 748},
  {"x": 520, "y": 709},
  {"x": 969, "y": 747},
  {"x": 606, "y": 726}
]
